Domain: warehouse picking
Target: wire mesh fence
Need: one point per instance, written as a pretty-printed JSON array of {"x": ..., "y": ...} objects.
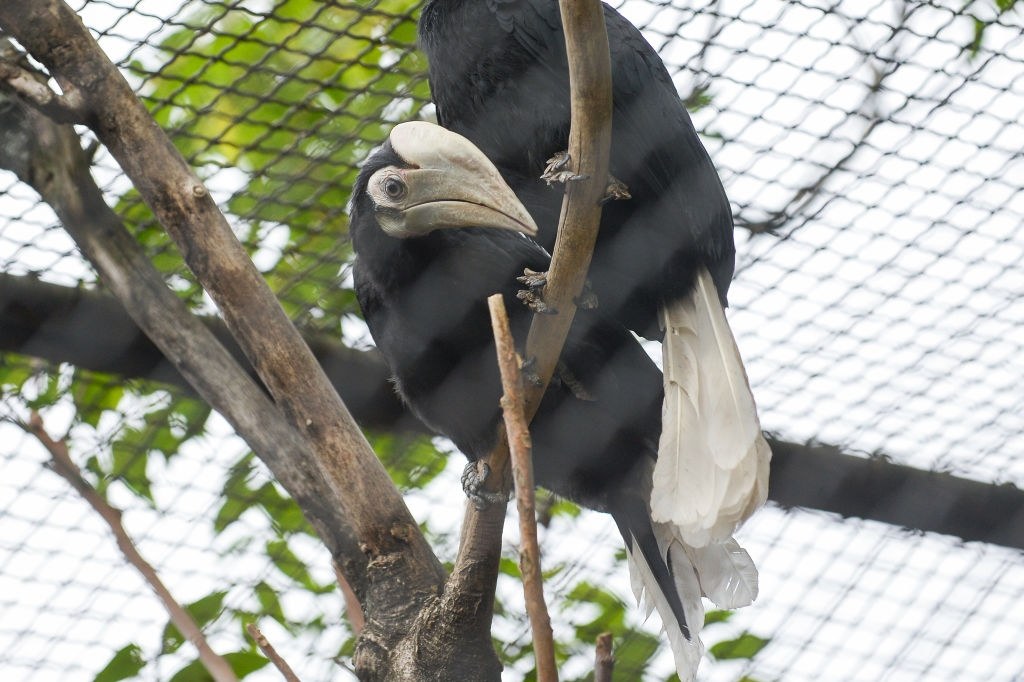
[{"x": 872, "y": 153}]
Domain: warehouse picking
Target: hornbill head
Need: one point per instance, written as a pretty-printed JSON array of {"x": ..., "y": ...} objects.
[{"x": 439, "y": 180}]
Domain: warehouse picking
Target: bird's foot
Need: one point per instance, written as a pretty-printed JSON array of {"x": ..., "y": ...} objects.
[
  {"x": 533, "y": 295},
  {"x": 473, "y": 478},
  {"x": 587, "y": 300},
  {"x": 529, "y": 371},
  {"x": 615, "y": 191},
  {"x": 535, "y": 302},
  {"x": 558, "y": 170},
  {"x": 532, "y": 279}
]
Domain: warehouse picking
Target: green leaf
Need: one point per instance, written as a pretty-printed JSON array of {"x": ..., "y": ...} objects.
[
  {"x": 716, "y": 616},
  {"x": 633, "y": 653},
  {"x": 293, "y": 567},
  {"x": 979, "y": 31},
  {"x": 93, "y": 396},
  {"x": 126, "y": 663},
  {"x": 412, "y": 462},
  {"x": 270, "y": 605},
  {"x": 203, "y": 612},
  {"x": 14, "y": 372},
  {"x": 49, "y": 395},
  {"x": 129, "y": 465},
  {"x": 745, "y": 646},
  {"x": 193, "y": 672}
]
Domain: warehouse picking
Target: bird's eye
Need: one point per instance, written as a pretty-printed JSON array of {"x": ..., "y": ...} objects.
[{"x": 394, "y": 187}]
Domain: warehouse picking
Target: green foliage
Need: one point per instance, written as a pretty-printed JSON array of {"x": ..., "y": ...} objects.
[
  {"x": 125, "y": 664},
  {"x": 293, "y": 567},
  {"x": 164, "y": 429},
  {"x": 744, "y": 646},
  {"x": 981, "y": 25},
  {"x": 294, "y": 98},
  {"x": 242, "y": 662},
  {"x": 203, "y": 612},
  {"x": 412, "y": 462}
]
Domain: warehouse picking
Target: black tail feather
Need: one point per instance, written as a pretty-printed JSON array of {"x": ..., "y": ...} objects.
[{"x": 634, "y": 522}]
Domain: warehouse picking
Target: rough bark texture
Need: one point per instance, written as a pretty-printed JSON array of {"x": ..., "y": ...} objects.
[
  {"x": 51, "y": 160},
  {"x": 396, "y": 572}
]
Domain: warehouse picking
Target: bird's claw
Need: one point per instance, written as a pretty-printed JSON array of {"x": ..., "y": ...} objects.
[
  {"x": 587, "y": 300},
  {"x": 557, "y": 170},
  {"x": 532, "y": 279},
  {"x": 473, "y": 478},
  {"x": 528, "y": 369},
  {"x": 615, "y": 191},
  {"x": 535, "y": 302}
]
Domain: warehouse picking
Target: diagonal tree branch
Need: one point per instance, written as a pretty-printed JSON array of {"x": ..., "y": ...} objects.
[
  {"x": 271, "y": 653},
  {"x": 48, "y": 157},
  {"x": 62, "y": 464},
  {"x": 406, "y": 574}
]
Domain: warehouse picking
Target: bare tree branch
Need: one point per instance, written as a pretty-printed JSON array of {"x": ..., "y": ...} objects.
[
  {"x": 406, "y": 574},
  {"x": 271, "y": 653},
  {"x": 48, "y": 157},
  {"x": 62, "y": 464},
  {"x": 18, "y": 77},
  {"x": 604, "y": 662},
  {"x": 513, "y": 408}
]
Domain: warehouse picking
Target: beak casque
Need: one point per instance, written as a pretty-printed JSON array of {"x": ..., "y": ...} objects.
[{"x": 452, "y": 184}]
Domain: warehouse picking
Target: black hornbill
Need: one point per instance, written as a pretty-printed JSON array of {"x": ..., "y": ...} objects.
[
  {"x": 664, "y": 258},
  {"x": 435, "y": 231}
]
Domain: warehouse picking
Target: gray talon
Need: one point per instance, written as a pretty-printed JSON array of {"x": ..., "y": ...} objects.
[
  {"x": 587, "y": 300},
  {"x": 615, "y": 191},
  {"x": 557, "y": 170},
  {"x": 534, "y": 280},
  {"x": 473, "y": 478},
  {"x": 535, "y": 302},
  {"x": 529, "y": 371}
]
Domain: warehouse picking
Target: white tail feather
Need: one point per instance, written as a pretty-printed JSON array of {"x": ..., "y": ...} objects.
[
  {"x": 726, "y": 573},
  {"x": 712, "y": 469},
  {"x": 722, "y": 572},
  {"x": 686, "y": 652}
]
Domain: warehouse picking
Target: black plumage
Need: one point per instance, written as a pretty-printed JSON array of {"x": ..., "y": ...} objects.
[
  {"x": 661, "y": 267},
  {"x": 499, "y": 76},
  {"x": 424, "y": 299}
]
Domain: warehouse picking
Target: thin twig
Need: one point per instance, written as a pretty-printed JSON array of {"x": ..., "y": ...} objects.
[
  {"x": 67, "y": 108},
  {"x": 520, "y": 447},
  {"x": 604, "y": 661},
  {"x": 61, "y": 463},
  {"x": 270, "y": 652}
]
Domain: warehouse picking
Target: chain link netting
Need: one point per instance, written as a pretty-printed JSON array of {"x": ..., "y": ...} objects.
[{"x": 873, "y": 155}]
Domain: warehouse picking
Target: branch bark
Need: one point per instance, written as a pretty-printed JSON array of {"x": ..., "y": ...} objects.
[
  {"x": 604, "y": 662},
  {"x": 513, "y": 405},
  {"x": 401, "y": 571},
  {"x": 271, "y": 653},
  {"x": 48, "y": 157},
  {"x": 62, "y": 465}
]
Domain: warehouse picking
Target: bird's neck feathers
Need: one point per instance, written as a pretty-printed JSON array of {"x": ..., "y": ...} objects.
[{"x": 392, "y": 263}]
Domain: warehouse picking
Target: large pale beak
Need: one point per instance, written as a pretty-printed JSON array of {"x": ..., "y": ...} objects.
[
  {"x": 453, "y": 184},
  {"x": 463, "y": 197}
]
